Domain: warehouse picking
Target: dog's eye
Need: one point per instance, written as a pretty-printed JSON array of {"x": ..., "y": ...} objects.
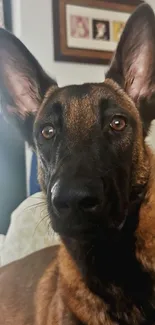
[
  {"x": 118, "y": 123},
  {"x": 48, "y": 132}
]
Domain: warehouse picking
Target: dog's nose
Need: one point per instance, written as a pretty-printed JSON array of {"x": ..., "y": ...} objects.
[{"x": 66, "y": 198}]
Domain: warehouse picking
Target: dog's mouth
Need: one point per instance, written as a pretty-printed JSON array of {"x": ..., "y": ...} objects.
[
  {"x": 89, "y": 233},
  {"x": 81, "y": 226},
  {"x": 76, "y": 231}
]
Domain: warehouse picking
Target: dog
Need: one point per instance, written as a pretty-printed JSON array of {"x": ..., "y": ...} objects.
[{"x": 98, "y": 175}]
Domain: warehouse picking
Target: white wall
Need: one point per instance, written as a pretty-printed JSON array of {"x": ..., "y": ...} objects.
[
  {"x": 32, "y": 22},
  {"x": 36, "y": 31}
]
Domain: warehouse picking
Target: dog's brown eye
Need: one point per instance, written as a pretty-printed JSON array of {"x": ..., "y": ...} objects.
[
  {"x": 118, "y": 123},
  {"x": 48, "y": 132}
]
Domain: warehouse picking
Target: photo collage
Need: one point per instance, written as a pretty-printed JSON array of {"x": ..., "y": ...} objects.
[{"x": 87, "y": 28}]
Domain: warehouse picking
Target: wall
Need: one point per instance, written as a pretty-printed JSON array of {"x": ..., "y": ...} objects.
[
  {"x": 33, "y": 25},
  {"x": 35, "y": 19}
]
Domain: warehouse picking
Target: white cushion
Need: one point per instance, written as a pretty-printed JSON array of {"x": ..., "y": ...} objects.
[{"x": 29, "y": 231}]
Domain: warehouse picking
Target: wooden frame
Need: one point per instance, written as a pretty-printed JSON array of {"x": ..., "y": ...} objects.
[
  {"x": 63, "y": 52},
  {"x": 7, "y": 14}
]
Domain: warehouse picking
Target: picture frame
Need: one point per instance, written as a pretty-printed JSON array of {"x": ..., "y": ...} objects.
[
  {"x": 7, "y": 7},
  {"x": 6, "y": 14},
  {"x": 87, "y": 31}
]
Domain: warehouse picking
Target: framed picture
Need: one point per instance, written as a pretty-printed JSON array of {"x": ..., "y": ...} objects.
[
  {"x": 5, "y": 14},
  {"x": 88, "y": 31}
]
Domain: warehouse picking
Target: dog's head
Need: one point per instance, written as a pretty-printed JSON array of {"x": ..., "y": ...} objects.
[{"x": 89, "y": 138}]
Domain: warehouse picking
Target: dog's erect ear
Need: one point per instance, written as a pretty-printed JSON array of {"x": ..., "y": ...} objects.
[
  {"x": 23, "y": 83},
  {"x": 133, "y": 65}
]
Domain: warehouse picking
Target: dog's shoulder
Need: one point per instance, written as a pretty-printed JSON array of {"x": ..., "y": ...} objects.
[
  {"x": 38, "y": 260},
  {"x": 19, "y": 281}
]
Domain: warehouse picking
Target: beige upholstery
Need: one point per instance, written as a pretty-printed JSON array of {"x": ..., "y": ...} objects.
[{"x": 29, "y": 230}]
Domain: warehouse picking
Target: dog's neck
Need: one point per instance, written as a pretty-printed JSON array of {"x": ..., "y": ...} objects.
[
  {"x": 107, "y": 258},
  {"x": 145, "y": 231},
  {"x": 104, "y": 255},
  {"x": 122, "y": 265}
]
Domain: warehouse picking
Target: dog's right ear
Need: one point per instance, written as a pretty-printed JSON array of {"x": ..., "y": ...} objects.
[
  {"x": 23, "y": 84},
  {"x": 133, "y": 64}
]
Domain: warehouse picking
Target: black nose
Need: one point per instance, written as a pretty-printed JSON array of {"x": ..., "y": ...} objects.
[{"x": 67, "y": 198}]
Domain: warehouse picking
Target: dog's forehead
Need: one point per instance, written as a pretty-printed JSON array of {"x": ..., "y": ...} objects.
[{"x": 79, "y": 101}]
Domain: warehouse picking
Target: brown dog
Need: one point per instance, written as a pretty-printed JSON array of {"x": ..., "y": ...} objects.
[{"x": 99, "y": 178}]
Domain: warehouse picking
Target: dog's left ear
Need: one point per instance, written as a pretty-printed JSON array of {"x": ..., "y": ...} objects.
[
  {"x": 23, "y": 84},
  {"x": 133, "y": 65}
]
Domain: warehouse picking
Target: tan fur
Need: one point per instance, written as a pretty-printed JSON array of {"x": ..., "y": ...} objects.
[
  {"x": 47, "y": 95},
  {"x": 83, "y": 124},
  {"x": 146, "y": 228}
]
